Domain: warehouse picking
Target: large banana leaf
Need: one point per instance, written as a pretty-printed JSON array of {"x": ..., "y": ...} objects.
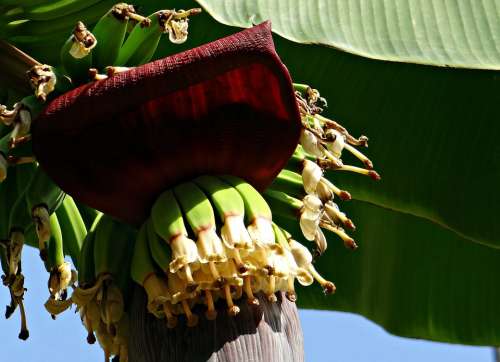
[
  {"x": 462, "y": 33},
  {"x": 412, "y": 277}
]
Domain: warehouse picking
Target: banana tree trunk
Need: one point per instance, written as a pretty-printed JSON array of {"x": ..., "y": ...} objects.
[{"x": 269, "y": 332}]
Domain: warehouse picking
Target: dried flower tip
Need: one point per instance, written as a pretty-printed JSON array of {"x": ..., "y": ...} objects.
[
  {"x": 60, "y": 278},
  {"x": 41, "y": 219},
  {"x": 129, "y": 12},
  {"x": 91, "y": 337},
  {"x": 42, "y": 80},
  {"x": 372, "y": 174},
  {"x": 334, "y": 213},
  {"x": 211, "y": 313},
  {"x": 24, "y": 333},
  {"x": 232, "y": 309},
  {"x": 348, "y": 241},
  {"x": 83, "y": 41},
  {"x": 271, "y": 288},
  {"x": 360, "y": 156},
  {"x": 112, "y": 70},
  {"x": 14, "y": 251},
  {"x": 247, "y": 286}
]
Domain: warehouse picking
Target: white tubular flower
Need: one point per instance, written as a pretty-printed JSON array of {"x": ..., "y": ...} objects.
[
  {"x": 178, "y": 31},
  {"x": 234, "y": 234},
  {"x": 311, "y": 176},
  {"x": 261, "y": 232},
  {"x": 184, "y": 253},
  {"x": 309, "y": 223},
  {"x": 303, "y": 276},
  {"x": 335, "y": 143},
  {"x": 311, "y": 143},
  {"x": 210, "y": 246},
  {"x": 312, "y": 203},
  {"x": 304, "y": 260}
]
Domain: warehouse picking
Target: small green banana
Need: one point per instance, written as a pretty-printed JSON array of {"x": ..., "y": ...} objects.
[
  {"x": 110, "y": 32},
  {"x": 86, "y": 268},
  {"x": 200, "y": 216},
  {"x": 76, "y": 53},
  {"x": 168, "y": 222},
  {"x": 43, "y": 197},
  {"x": 258, "y": 214},
  {"x": 142, "y": 42},
  {"x": 144, "y": 273},
  {"x": 73, "y": 228},
  {"x": 61, "y": 275},
  {"x": 231, "y": 209}
]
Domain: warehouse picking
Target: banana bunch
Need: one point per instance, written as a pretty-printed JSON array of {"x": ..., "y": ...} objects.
[
  {"x": 103, "y": 285},
  {"x": 302, "y": 191},
  {"x": 214, "y": 239}
]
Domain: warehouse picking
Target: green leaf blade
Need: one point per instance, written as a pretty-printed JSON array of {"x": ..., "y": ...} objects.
[{"x": 452, "y": 33}]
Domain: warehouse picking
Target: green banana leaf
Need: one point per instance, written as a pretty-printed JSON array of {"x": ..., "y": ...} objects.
[
  {"x": 411, "y": 276},
  {"x": 453, "y": 33}
]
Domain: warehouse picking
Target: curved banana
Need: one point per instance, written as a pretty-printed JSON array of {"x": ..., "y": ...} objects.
[
  {"x": 144, "y": 273},
  {"x": 61, "y": 275},
  {"x": 43, "y": 197},
  {"x": 168, "y": 223},
  {"x": 231, "y": 209},
  {"x": 73, "y": 228}
]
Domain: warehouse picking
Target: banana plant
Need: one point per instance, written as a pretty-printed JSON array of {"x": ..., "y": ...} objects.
[{"x": 419, "y": 86}]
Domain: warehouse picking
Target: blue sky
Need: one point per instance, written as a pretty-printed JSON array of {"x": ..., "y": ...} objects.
[{"x": 329, "y": 336}]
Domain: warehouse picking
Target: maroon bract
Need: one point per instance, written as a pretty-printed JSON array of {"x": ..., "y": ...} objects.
[{"x": 227, "y": 107}]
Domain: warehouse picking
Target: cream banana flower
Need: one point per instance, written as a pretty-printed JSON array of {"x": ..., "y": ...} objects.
[{"x": 303, "y": 258}]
